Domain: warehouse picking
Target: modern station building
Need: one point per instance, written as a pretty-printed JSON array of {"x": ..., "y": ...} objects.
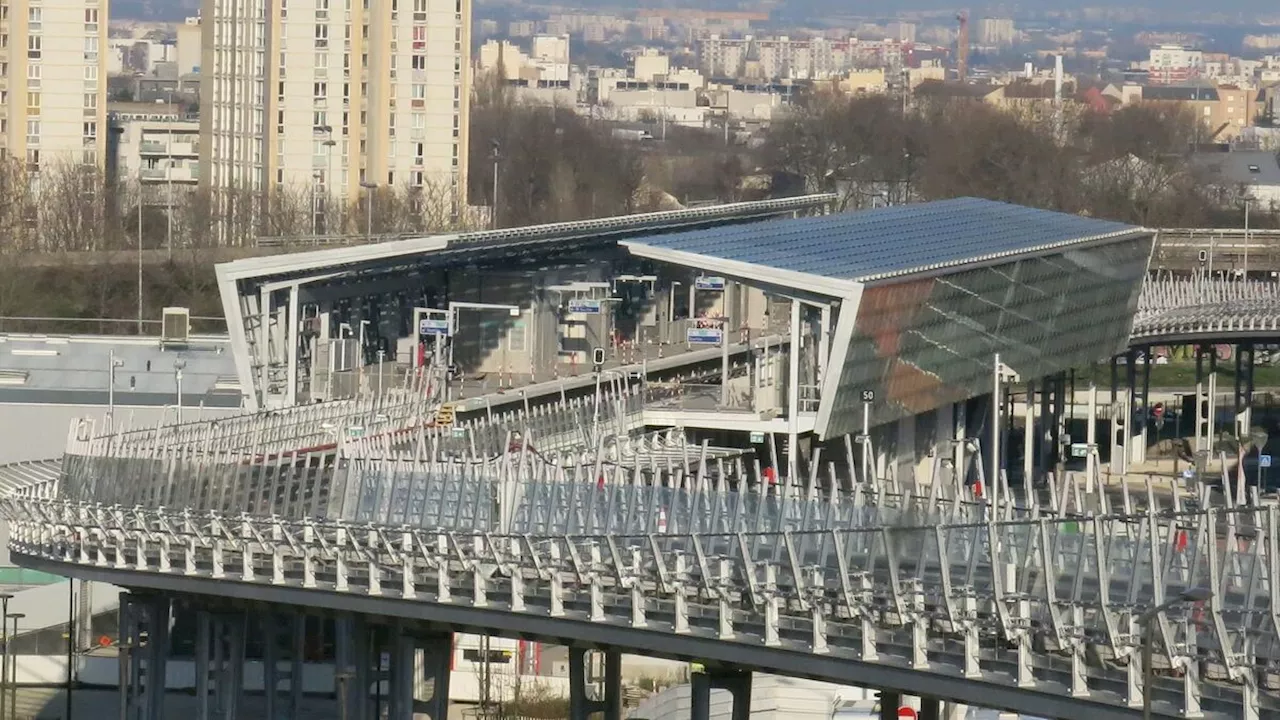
[{"x": 748, "y": 318}]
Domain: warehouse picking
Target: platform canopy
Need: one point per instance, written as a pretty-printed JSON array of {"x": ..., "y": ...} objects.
[
  {"x": 927, "y": 294},
  {"x": 255, "y": 292}
]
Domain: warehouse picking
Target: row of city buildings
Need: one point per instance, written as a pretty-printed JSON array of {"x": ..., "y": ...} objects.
[{"x": 335, "y": 95}]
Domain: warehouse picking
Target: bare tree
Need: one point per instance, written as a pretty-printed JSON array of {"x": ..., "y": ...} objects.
[{"x": 72, "y": 207}]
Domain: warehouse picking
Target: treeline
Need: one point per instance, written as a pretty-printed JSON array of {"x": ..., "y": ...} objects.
[
  {"x": 76, "y": 208},
  {"x": 1132, "y": 165}
]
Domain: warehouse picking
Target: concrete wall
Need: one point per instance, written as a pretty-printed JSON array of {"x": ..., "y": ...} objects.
[{"x": 39, "y": 431}]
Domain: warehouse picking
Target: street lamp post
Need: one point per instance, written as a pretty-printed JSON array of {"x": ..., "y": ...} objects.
[
  {"x": 168, "y": 210},
  {"x": 140, "y": 197},
  {"x": 493, "y": 212},
  {"x": 13, "y": 666},
  {"x": 4, "y": 637},
  {"x": 382, "y": 354},
  {"x": 113, "y": 363},
  {"x": 368, "y": 227},
  {"x": 1147, "y": 621},
  {"x": 178, "y": 365},
  {"x": 360, "y": 358},
  {"x": 316, "y": 179}
]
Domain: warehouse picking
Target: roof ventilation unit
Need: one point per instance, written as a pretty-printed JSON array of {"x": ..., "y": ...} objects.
[{"x": 175, "y": 327}]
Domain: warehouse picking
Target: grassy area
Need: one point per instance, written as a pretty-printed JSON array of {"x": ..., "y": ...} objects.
[{"x": 1180, "y": 375}]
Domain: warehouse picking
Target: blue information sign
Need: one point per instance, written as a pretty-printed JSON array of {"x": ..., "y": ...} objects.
[
  {"x": 433, "y": 326},
  {"x": 585, "y": 306},
  {"x": 704, "y": 336}
]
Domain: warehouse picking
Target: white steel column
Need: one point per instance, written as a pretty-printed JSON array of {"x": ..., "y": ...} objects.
[
  {"x": 291, "y": 337},
  {"x": 1091, "y": 437},
  {"x": 793, "y": 393},
  {"x": 824, "y": 343},
  {"x": 1029, "y": 436},
  {"x": 961, "y": 435},
  {"x": 997, "y": 426}
]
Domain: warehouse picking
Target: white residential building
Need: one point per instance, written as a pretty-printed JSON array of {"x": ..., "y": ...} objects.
[
  {"x": 163, "y": 155},
  {"x": 189, "y": 54},
  {"x": 53, "y": 81},
  {"x": 1173, "y": 64},
  {"x": 996, "y": 32},
  {"x": 335, "y": 95}
]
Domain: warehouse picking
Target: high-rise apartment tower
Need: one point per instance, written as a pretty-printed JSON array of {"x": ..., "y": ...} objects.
[
  {"x": 53, "y": 81},
  {"x": 335, "y": 96}
]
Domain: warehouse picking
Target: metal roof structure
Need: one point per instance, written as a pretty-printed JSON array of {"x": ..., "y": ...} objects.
[
  {"x": 873, "y": 245},
  {"x": 252, "y": 289},
  {"x": 393, "y": 255},
  {"x": 75, "y": 370}
]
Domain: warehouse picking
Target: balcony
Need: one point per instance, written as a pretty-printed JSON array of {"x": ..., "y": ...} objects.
[
  {"x": 183, "y": 174},
  {"x": 177, "y": 148}
]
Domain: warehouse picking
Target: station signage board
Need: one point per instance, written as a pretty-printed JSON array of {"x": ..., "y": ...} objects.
[
  {"x": 704, "y": 336},
  {"x": 433, "y": 326},
  {"x": 709, "y": 282},
  {"x": 584, "y": 306}
]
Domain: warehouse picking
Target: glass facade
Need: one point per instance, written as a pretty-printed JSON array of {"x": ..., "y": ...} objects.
[{"x": 924, "y": 342}]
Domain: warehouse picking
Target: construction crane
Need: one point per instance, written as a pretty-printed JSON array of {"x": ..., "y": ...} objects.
[{"x": 962, "y": 47}]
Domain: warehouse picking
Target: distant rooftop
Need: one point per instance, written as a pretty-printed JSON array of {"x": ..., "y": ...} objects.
[
  {"x": 1237, "y": 167},
  {"x": 1180, "y": 92},
  {"x": 872, "y": 245},
  {"x": 75, "y": 370}
]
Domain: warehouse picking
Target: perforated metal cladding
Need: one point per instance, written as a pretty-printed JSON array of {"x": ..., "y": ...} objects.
[
  {"x": 924, "y": 343},
  {"x": 873, "y": 244}
]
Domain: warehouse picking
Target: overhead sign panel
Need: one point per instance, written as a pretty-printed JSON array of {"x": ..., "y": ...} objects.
[
  {"x": 585, "y": 306},
  {"x": 433, "y": 326},
  {"x": 704, "y": 336},
  {"x": 708, "y": 282}
]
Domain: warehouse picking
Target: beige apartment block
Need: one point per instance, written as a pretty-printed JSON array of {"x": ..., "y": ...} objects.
[
  {"x": 333, "y": 97},
  {"x": 53, "y": 81}
]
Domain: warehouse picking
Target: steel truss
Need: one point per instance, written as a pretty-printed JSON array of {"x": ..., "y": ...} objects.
[
  {"x": 645, "y": 542},
  {"x": 1172, "y": 307},
  {"x": 1048, "y": 604}
]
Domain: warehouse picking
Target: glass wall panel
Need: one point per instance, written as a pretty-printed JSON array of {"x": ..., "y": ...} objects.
[{"x": 922, "y": 343}]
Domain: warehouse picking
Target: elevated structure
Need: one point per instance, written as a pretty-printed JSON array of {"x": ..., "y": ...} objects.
[
  {"x": 881, "y": 543},
  {"x": 1028, "y": 602}
]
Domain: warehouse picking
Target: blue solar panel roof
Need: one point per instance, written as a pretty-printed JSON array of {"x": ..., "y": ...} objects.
[{"x": 873, "y": 244}]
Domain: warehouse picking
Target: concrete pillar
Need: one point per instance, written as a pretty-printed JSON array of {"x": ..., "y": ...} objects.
[
  {"x": 737, "y": 682},
  {"x": 431, "y": 692},
  {"x": 889, "y": 704},
  {"x": 581, "y": 705},
  {"x": 352, "y": 675},
  {"x": 930, "y": 709},
  {"x": 284, "y": 637},
  {"x": 220, "y": 640},
  {"x": 961, "y": 435},
  {"x": 1244, "y": 389},
  {"x": 143, "y": 665}
]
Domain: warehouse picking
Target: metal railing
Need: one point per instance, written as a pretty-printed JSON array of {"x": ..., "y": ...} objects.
[{"x": 1172, "y": 306}]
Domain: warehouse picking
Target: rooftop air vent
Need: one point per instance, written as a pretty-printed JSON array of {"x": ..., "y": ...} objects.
[
  {"x": 175, "y": 329},
  {"x": 13, "y": 377}
]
